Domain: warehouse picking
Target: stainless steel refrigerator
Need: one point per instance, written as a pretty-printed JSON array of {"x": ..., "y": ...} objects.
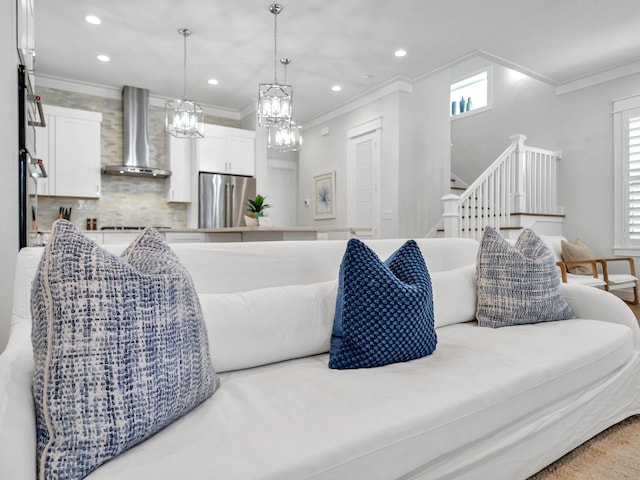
[{"x": 223, "y": 199}]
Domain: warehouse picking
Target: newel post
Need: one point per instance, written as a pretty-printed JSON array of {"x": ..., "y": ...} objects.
[
  {"x": 451, "y": 215},
  {"x": 519, "y": 195}
]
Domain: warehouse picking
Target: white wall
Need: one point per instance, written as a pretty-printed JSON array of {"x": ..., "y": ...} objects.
[
  {"x": 8, "y": 161},
  {"x": 324, "y": 153},
  {"x": 521, "y": 104},
  {"x": 585, "y": 130},
  {"x": 425, "y": 164}
]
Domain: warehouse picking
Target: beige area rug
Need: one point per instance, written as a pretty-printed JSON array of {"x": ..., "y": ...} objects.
[{"x": 612, "y": 455}]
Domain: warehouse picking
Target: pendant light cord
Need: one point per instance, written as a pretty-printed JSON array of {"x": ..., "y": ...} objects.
[
  {"x": 275, "y": 48},
  {"x": 185, "y": 34}
]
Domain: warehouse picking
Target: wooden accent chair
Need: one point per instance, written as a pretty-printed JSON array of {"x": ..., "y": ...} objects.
[{"x": 599, "y": 274}]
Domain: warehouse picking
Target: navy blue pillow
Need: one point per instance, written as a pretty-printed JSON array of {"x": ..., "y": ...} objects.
[{"x": 384, "y": 311}]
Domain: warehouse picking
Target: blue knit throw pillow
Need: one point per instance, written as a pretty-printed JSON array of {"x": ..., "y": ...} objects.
[
  {"x": 120, "y": 349},
  {"x": 384, "y": 311},
  {"x": 518, "y": 285}
]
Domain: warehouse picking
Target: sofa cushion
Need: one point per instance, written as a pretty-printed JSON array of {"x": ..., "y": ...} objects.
[
  {"x": 384, "y": 311},
  {"x": 454, "y": 295},
  {"x": 257, "y": 327},
  {"x": 433, "y": 417},
  {"x": 120, "y": 349},
  {"x": 572, "y": 252},
  {"x": 518, "y": 284}
]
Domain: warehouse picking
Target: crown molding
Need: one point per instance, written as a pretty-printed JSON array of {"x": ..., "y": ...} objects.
[
  {"x": 58, "y": 83},
  {"x": 598, "y": 78},
  {"x": 492, "y": 58},
  {"x": 250, "y": 108},
  {"x": 397, "y": 84}
]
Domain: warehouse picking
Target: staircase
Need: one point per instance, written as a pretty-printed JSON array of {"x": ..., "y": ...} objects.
[{"x": 518, "y": 190}]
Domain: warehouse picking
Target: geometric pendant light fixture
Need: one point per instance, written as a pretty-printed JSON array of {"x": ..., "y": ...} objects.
[
  {"x": 275, "y": 101},
  {"x": 286, "y": 137},
  {"x": 184, "y": 118}
]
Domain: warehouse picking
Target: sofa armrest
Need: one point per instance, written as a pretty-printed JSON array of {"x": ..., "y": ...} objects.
[
  {"x": 17, "y": 413},
  {"x": 593, "y": 303}
]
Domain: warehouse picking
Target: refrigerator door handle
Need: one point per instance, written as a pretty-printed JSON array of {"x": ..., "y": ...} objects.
[{"x": 228, "y": 212}]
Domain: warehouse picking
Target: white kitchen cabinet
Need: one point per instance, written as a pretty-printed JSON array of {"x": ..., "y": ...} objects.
[
  {"x": 242, "y": 154},
  {"x": 185, "y": 237},
  {"x": 227, "y": 150},
  {"x": 119, "y": 238},
  {"x": 70, "y": 147},
  {"x": 183, "y": 177},
  {"x": 212, "y": 151}
]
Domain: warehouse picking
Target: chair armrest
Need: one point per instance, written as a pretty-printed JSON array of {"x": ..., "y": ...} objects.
[
  {"x": 604, "y": 261},
  {"x": 592, "y": 263},
  {"x": 563, "y": 271}
]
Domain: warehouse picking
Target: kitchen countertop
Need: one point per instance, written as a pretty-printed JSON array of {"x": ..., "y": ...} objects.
[{"x": 234, "y": 234}]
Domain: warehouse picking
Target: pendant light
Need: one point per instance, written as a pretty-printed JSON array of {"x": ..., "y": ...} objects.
[
  {"x": 285, "y": 138},
  {"x": 184, "y": 118},
  {"x": 275, "y": 101}
]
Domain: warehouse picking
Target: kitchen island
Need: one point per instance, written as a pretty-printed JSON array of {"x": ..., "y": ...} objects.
[
  {"x": 257, "y": 234},
  {"x": 233, "y": 234}
]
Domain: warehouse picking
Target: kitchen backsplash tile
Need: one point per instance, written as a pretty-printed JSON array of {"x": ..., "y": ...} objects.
[{"x": 125, "y": 200}]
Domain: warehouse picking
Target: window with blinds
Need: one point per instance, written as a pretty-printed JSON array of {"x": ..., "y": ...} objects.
[
  {"x": 626, "y": 176},
  {"x": 632, "y": 156}
]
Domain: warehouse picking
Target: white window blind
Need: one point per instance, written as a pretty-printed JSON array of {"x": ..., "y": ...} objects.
[
  {"x": 632, "y": 154},
  {"x": 626, "y": 176}
]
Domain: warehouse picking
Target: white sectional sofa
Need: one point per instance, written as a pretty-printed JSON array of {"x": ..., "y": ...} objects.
[{"x": 487, "y": 404}]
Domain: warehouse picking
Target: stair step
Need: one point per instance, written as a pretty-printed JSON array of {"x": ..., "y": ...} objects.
[
  {"x": 480, "y": 229},
  {"x": 558, "y": 215}
]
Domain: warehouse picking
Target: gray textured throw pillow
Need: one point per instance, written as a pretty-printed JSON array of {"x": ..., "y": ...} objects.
[
  {"x": 120, "y": 349},
  {"x": 518, "y": 285}
]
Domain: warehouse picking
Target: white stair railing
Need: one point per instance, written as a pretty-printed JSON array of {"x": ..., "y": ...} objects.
[{"x": 521, "y": 180}]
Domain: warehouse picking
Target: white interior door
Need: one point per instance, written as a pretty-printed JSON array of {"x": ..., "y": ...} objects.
[
  {"x": 282, "y": 191},
  {"x": 363, "y": 182}
]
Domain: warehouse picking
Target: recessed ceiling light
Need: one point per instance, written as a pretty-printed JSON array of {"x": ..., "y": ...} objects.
[
  {"x": 93, "y": 19},
  {"x": 103, "y": 58},
  {"x": 400, "y": 53},
  {"x": 212, "y": 81},
  {"x": 336, "y": 88}
]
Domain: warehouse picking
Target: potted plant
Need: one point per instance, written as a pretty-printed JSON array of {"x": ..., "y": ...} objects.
[{"x": 255, "y": 207}]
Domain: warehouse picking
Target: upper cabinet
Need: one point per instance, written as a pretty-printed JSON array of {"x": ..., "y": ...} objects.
[
  {"x": 70, "y": 147},
  {"x": 227, "y": 150},
  {"x": 183, "y": 177}
]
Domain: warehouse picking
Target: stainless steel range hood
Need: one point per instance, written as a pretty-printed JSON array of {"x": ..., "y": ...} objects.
[{"x": 135, "y": 133}]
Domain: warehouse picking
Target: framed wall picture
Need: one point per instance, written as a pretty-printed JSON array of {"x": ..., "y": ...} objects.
[{"x": 324, "y": 191}]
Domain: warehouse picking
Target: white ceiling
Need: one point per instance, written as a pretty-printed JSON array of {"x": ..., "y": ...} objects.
[{"x": 330, "y": 42}]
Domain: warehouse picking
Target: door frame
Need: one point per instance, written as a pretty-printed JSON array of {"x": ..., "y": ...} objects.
[
  {"x": 286, "y": 164},
  {"x": 371, "y": 128}
]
